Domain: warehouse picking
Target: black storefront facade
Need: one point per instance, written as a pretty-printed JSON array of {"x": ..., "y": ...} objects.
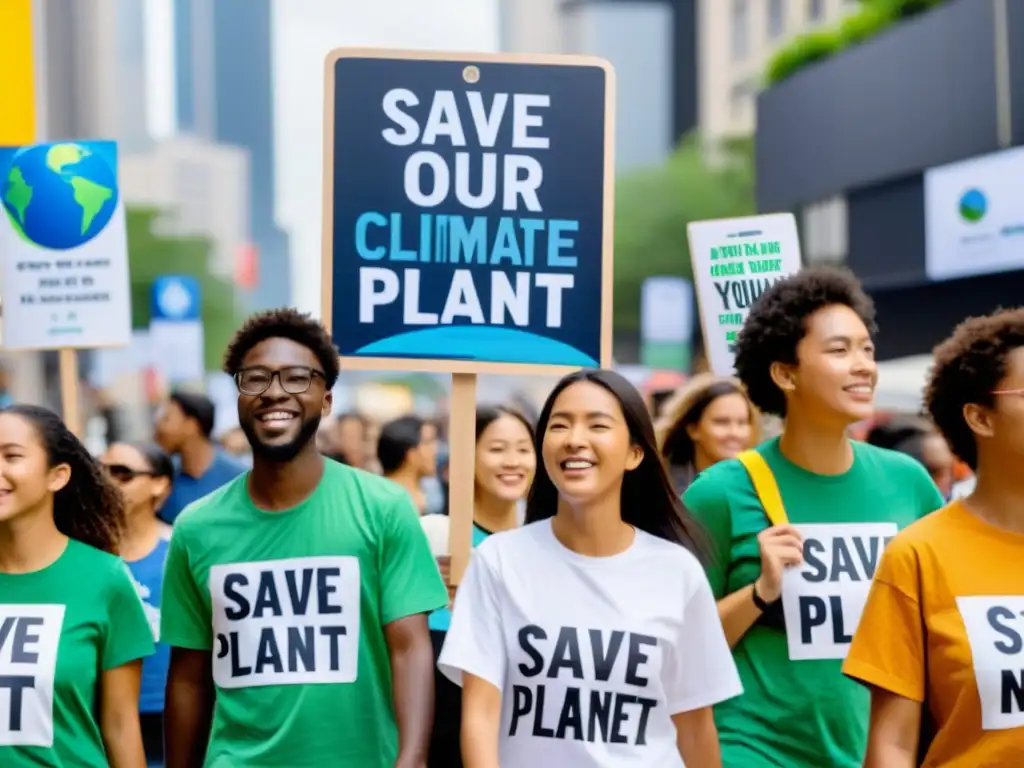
[{"x": 866, "y": 124}]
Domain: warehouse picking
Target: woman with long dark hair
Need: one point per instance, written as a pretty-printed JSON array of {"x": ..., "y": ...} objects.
[
  {"x": 72, "y": 628},
  {"x": 144, "y": 474},
  {"x": 708, "y": 420},
  {"x": 589, "y": 636}
]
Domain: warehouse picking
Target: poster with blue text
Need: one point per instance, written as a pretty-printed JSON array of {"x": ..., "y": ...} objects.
[{"x": 468, "y": 205}]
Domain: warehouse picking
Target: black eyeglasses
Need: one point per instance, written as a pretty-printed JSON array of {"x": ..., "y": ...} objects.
[
  {"x": 123, "y": 474},
  {"x": 294, "y": 379}
]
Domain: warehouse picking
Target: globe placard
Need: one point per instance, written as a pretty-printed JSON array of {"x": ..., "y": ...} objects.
[
  {"x": 59, "y": 196},
  {"x": 63, "y": 246}
]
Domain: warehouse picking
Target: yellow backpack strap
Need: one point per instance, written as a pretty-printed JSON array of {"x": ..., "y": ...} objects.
[{"x": 765, "y": 486}]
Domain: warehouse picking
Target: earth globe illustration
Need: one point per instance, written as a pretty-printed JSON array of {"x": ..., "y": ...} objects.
[
  {"x": 973, "y": 205},
  {"x": 58, "y": 196}
]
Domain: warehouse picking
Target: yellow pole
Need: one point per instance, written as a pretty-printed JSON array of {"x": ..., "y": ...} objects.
[{"x": 17, "y": 74}]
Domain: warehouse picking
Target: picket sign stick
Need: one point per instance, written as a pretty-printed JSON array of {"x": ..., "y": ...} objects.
[
  {"x": 461, "y": 471},
  {"x": 68, "y": 368}
]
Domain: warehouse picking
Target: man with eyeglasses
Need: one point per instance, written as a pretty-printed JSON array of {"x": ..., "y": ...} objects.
[{"x": 295, "y": 598}]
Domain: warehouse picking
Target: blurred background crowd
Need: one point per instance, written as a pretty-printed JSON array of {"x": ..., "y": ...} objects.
[{"x": 833, "y": 109}]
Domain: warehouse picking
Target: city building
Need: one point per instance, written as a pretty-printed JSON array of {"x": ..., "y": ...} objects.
[
  {"x": 90, "y": 60},
  {"x": 200, "y": 187},
  {"x": 736, "y": 41},
  {"x": 89, "y": 66},
  {"x": 652, "y": 45},
  {"x": 902, "y": 150},
  {"x": 224, "y": 89}
]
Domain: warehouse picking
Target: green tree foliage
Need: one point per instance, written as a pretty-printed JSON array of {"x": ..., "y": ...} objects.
[
  {"x": 653, "y": 207},
  {"x": 874, "y": 17},
  {"x": 152, "y": 255}
]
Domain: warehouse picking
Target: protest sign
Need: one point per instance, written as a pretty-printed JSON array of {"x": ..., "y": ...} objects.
[
  {"x": 734, "y": 261},
  {"x": 64, "y": 246},
  {"x": 468, "y": 222},
  {"x": 823, "y": 598}
]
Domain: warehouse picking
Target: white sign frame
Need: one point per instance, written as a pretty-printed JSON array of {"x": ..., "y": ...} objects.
[
  {"x": 719, "y": 320},
  {"x": 97, "y": 266}
]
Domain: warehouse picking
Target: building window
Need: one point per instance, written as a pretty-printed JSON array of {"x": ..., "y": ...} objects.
[
  {"x": 740, "y": 29},
  {"x": 825, "y": 231},
  {"x": 741, "y": 96},
  {"x": 815, "y": 10},
  {"x": 737, "y": 101},
  {"x": 776, "y": 18}
]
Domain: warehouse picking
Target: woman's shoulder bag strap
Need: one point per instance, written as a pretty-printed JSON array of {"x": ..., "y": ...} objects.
[{"x": 765, "y": 486}]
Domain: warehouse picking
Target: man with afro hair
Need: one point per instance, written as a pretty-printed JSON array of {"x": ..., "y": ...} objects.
[
  {"x": 805, "y": 354},
  {"x": 295, "y": 598},
  {"x": 941, "y": 639}
]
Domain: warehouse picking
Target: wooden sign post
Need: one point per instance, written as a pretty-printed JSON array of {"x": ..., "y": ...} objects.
[
  {"x": 468, "y": 224},
  {"x": 64, "y": 253},
  {"x": 734, "y": 261}
]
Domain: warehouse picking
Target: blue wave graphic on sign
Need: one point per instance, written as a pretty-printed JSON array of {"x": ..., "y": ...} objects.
[{"x": 483, "y": 343}]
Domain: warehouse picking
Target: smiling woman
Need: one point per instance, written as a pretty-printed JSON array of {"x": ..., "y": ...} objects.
[
  {"x": 605, "y": 567},
  {"x": 805, "y": 354},
  {"x": 504, "y": 468},
  {"x": 72, "y": 627},
  {"x": 708, "y": 420}
]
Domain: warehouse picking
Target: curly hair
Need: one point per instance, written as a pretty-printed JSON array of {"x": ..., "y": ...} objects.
[
  {"x": 286, "y": 323},
  {"x": 90, "y": 508},
  {"x": 967, "y": 368},
  {"x": 778, "y": 321}
]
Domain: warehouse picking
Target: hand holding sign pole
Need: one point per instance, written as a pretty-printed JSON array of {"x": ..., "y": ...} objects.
[
  {"x": 734, "y": 261},
  {"x": 468, "y": 223}
]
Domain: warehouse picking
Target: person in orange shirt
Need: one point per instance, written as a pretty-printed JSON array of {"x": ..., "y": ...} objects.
[{"x": 941, "y": 640}]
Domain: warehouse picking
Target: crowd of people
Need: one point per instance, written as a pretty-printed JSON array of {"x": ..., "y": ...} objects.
[{"x": 650, "y": 589}]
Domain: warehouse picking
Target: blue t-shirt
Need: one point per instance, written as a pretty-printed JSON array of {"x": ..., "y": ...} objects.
[
  {"x": 440, "y": 619},
  {"x": 187, "y": 489},
  {"x": 148, "y": 574}
]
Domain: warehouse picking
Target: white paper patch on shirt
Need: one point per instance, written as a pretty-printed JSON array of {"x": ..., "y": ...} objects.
[
  {"x": 286, "y": 622},
  {"x": 995, "y": 630},
  {"x": 823, "y": 599},
  {"x": 590, "y": 685},
  {"x": 29, "y": 638}
]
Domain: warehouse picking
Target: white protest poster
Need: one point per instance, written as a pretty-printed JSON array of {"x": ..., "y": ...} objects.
[
  {"x": 64, "y": 247},
  {"x": 823, "y": 599},
  {"x": 29, "y": 638},
  {"x": 734, "y": 261},
  {"x": 995, "y": 630},
  {"x": 286, "y": 622}
]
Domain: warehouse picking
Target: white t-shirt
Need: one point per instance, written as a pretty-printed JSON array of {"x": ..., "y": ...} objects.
[{"x": 593, "y": 655}]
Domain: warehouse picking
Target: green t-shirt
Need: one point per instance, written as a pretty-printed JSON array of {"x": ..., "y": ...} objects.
[
  {"x": 292, "y": 606},
  {"x": 60, "y": 629},
  {"x": 805, "y": 714}
]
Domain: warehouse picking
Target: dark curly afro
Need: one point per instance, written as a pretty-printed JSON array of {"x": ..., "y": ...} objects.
[
  {"x": 284, "y": 323},
  {"x": 968, "y": 367},
  {"x": 777, "y": 323}
]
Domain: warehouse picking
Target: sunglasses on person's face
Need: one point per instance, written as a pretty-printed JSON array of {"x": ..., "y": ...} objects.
[{"x": 124, "y": 474}]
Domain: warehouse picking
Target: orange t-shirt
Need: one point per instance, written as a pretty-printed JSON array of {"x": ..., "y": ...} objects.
[{"x": 944, "y": 625}]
